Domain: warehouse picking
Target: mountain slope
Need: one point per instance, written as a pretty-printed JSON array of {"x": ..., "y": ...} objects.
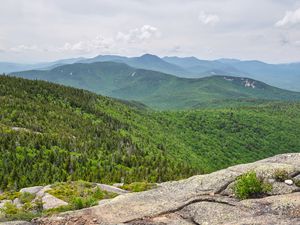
[
  {"x": 73, "y": 134},
  {"x": 7, "y": 67},
  {"x": 146, "y": 61},
  {"x": 286, "y": 76},
  {"x": 279, "y": 75},
  {"x": 160, "y": 90},
  {"x": 200, "y": 68}
]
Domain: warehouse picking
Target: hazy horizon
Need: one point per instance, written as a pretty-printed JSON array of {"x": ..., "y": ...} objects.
[
  {"x": 44, "y": 30},
  {"x": 139, "y": 55}
]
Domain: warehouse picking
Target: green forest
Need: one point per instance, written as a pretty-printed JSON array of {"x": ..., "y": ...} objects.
[{"x": 51, "y": 133}]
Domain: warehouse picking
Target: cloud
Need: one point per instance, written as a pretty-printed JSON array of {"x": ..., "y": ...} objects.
[
  {"x": 88, "y": 46},
  {"x": 138, "y": 35},
  {"x": 104, "y": 44},
  {"x": 208, "y": 19},
  {"x": 24, "y": 48},
  {"x": 290, "y": 18},
  {"x": 297, "y": 43}
]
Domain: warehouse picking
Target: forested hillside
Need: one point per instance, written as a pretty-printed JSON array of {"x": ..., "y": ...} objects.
[
  {"x": 159, "y": 90},
  {"x": 50, "y": 133}
]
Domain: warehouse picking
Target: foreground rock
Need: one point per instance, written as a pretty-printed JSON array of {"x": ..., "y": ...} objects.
[
  {"x": 51, "y": 202},
  {"x": 112, "y": 189},
  {"x": 202, "y": 199}
]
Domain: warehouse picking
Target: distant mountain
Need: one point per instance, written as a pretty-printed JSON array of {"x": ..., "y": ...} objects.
[
  {"x": 7, "y": 67},
  {"x": 160, "y": 90},
  {"x": 280, "y": 75},
  {"x": 146, "y": 61},
  {"x": 200, "y": 68},
  {"x": 286, "y": 76}
]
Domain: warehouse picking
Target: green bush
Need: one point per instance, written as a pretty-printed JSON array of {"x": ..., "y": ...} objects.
[
  {"x": 38, "y": 205},
  {"x": 9, "y": 195},
  {"x": 297, "y": 182},
  {"x": 26, "y": 197},
  {"x": 9, "y": 209},
  {"x": 67, "y": 191},
  {"x": 22, "y": 216},
  {"x": 60, "y": 209},
  {"x": 12, "y": 212},
  {"x": 249, "y": 185},
  {"x": 80, "y": 203},
  {"x": 98, "y": 194},
  {"x": 281, "y": 175},
  {"x": 138, "y": 186}
]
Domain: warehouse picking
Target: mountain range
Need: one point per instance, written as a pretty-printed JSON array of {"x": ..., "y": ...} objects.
[
  {"x": 286, "y": 76},
  {"x": 159, "y": 90}
]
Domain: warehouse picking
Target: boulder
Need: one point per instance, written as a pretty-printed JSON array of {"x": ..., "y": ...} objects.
[
  {"x": 42, "y": 191},
  {"x": 289, "y": 182},
  {"x": 297, "y": 177},
  {"x": 198, "y": 200},
  {"x": 118, "y": 185},
  {"x": 31, "y": 190},
  {"x": 17, "y": 202},
  {"x": 112, "y": 189},
  {"x": 50, "y": 202},
  {"x": 280, "y": 188}
]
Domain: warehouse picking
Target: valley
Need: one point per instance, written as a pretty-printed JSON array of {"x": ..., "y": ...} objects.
[
  {"x": 75, "y": 134},
  {"x": 162, "y": 91}
]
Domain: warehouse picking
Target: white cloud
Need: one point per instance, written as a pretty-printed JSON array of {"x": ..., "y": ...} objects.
[
  {"x": 88, "y": 46},
  {"x": 24, "y": 48},
  {"x": 290, "y": 18},
  {"x": 208, "y": 19},
  {"x": 139, "y": 35}
]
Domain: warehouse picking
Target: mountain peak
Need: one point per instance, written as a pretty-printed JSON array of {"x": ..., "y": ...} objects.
[{"x": 150, "y": 56}]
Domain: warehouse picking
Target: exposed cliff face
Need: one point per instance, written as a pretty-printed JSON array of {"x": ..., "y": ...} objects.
[{"x": 203, "y": 199}]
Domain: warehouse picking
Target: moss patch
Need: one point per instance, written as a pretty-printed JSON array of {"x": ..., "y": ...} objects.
[{"x": 139, "y": 186}]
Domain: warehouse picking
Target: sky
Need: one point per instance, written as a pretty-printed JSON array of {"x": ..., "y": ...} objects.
[{"x": 46, "y": 30}]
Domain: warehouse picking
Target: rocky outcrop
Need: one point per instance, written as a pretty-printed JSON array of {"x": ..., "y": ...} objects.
[
  {"x": 203, "y": 199},
  {"x": 200, "y": 199},
  {"x": 31, "y": 190},
  {"x": 51, "y": 202},
  {"x": 112, "y": 189}
]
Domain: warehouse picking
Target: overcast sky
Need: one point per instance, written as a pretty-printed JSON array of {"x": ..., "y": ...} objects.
[{"x": 42, "y": 30}]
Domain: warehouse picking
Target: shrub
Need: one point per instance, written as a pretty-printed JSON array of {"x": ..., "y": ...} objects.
[
  {"x": 26, "y": 197},
  {"x": 9, "y": 209},
  {"x": 60, "y": 209},
  {"x": 80, "y": 203},
  {"x": 38, "y": 205},
  {"x": 297, "y": 182},
  {"x": 98, "y": 194},
  {"x": 249, "y": 185},
  {"x": 281, "y": 175},
  {"x": 23, "y": 216},
  {"x": 9, "y": 195},
  {"x": 77, "y": 203}
]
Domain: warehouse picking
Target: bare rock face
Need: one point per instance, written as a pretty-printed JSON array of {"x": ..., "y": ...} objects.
[
  {"x": 112, "y": 189},
  {"x": 202, "y": 199},
  {"x": 51, "y": 202},
  {"x": 31, "y": 190}
]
